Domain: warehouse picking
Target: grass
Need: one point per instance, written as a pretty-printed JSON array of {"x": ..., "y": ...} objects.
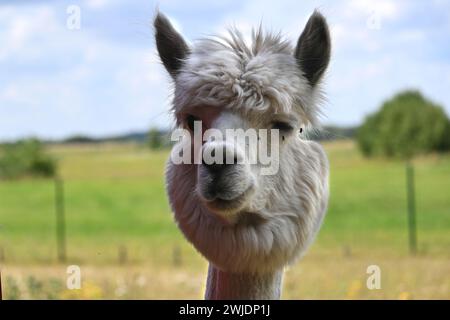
[{"x": 115, "y": 199}]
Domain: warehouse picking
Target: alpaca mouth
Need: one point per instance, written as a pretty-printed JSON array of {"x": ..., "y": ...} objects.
[{"x": 221, "y": 204}]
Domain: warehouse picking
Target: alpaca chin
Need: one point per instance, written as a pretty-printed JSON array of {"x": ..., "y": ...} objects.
[
  {"x": 226, "y": 191},
  {"x": 230, "y": 210}
]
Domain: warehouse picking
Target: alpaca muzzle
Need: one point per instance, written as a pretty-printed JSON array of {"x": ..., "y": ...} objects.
[{"x": 223, "y": 178}]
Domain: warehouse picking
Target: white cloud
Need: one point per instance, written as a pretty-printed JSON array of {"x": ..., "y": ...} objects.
[
  {"x": 385, "y": 8},
  {"x": 61, "y": 81},
  {"x": 97, "y": 4},
  {"x": 19, "y": 28},
  {"x": 72, "y": 81},
  {"x": 12, "y": 94}
]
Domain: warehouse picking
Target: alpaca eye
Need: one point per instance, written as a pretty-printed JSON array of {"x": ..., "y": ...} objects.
[
  {"x": 190, "y": 119},
  {"x": 282, "y": 126}
]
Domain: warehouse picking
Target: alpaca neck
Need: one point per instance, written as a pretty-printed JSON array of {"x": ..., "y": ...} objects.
[{"x": 222, "y": 285}]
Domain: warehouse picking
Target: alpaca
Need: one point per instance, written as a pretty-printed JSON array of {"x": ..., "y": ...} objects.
[{"x": 248, "y": 226}]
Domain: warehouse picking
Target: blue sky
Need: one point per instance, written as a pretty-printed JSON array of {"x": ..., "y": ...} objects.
[{"x": 105, "y": 78}]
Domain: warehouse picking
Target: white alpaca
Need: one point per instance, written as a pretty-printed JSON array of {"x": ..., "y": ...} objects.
[{"x": 249, "y": 226}]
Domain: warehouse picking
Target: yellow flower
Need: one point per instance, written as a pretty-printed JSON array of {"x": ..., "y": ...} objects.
[
  {"x": 88, "y": 291},
  {"x": 354, "y": 289},
  {"x": 404, "y": 295}
]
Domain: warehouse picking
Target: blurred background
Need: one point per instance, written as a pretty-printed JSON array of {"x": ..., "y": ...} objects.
[{"x": 83, "y": 141}]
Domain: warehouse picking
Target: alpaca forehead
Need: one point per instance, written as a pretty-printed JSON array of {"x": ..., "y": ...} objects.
[
  {"x": 261, "y": 78},
  {"x": 245, "y": 74},
  {"x": 259, "y": 73},
  {"x": 260, "y": 83}
]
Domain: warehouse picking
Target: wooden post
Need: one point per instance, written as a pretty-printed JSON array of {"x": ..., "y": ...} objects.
[
  {"x": 60, "y": 221},
  {"x": 2, "y": 255},
  {"x": 176, "y": 256},
  {"x": 412, "y": 228},
  {"x": 122, "y": 255}
]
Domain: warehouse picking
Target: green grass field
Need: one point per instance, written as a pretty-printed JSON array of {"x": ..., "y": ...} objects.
[{"x": 121, "y": 233}]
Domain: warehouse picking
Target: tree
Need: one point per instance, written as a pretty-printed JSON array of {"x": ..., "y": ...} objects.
[
  {"x": 154, "y": 139},
  {"x": 25, "y": 158},
  {"x": 406, "y": 125}
]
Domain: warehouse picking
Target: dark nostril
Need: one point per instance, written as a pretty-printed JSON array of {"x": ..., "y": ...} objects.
[{"x": 214, "y": 167}]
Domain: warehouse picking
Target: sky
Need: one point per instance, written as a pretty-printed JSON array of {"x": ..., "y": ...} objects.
[{"x": 100, "y": 75}]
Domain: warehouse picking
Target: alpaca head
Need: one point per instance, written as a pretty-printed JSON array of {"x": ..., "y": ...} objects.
[{"x": 239, "y": 214}]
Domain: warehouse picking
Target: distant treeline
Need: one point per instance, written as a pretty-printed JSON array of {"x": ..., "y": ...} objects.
[
  {"x": 328, "y": 133},
  {"x": 138, "y": 137},
  {"x": 324, "y": 133}
]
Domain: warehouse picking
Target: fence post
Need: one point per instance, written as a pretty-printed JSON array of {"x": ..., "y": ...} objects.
[
  {"x": 60, "y": 221},
  {"x": 176, "y": 256},
  {"x": 412, "y": 228},
  {"x": 122, "y": 254}
]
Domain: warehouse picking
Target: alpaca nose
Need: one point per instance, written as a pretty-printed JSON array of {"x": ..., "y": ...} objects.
[
  {"x": 217, "y": 167},
  {"x": 218, "y": 159},
  {"x": 214, "y": 167}
]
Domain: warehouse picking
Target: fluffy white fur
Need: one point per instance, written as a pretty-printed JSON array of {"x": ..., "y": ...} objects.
[
  {"x": 289, "y": 209},
  {"x": 277, "y": 221},
  {"x": 263, "y": 76}
]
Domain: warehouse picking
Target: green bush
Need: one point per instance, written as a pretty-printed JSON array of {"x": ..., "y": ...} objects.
[
  {"x": 406, "y": 125},
  {"x": 154, "y": 139},
  {"x": 25, "y": 158}
]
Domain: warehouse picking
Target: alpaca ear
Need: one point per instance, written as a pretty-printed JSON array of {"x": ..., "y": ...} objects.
[
  {"x": 314, "y": 48},
  {"x": 171, "y": 46}
]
